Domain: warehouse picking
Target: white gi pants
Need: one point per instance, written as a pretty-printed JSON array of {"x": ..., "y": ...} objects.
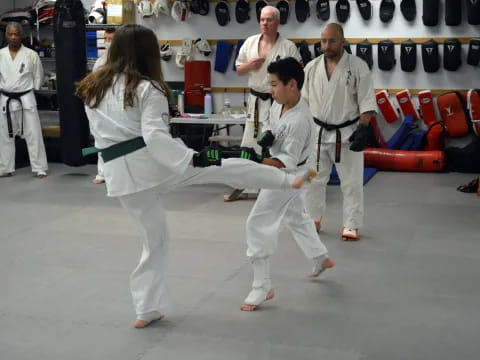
[
  {"x": 248, "y": 139},
  {"x": 273, "y": 209},
  {"x": 32, "y": 132},
  {"x": 148, "y": 280},
  {"x": 100, "y": 175},
  {"x": 350, "y": 172}
]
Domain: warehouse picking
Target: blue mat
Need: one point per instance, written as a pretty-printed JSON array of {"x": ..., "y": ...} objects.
[{"x": 367, "y": 175}]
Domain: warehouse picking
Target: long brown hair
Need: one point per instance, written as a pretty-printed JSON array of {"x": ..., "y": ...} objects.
[{"x": 134, "y": 53}]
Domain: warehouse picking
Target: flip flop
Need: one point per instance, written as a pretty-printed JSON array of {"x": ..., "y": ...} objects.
[{"x": 471, "y": 187}]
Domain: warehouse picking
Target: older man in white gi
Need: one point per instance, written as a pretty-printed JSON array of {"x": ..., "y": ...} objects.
[
  {"x": 20, "y": 73},
  {"x": 339, "y": 90},
  {"x": 256, "y": 53}
]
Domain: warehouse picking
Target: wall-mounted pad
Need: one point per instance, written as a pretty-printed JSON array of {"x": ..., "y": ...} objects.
[{"x": 342, "y": 8}]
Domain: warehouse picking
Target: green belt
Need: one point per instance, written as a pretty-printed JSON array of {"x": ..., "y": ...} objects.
[{"x": 117, "y": 150}]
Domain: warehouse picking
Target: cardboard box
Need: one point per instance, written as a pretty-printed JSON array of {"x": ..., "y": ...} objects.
[{"x": 121, "y": 12}]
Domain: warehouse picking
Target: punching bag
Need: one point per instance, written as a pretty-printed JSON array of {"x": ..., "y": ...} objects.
[{"x": 71, "y": 63}]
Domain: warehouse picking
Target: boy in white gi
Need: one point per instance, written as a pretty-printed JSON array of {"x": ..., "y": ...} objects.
[
  {"x": 20, "y": 73},
  {"x": 99, "y": 178},
  {"x": 339, "y": 90},
  {"x": 289, "y": 134},
  {"x": 256, "y": 53},
  {"x": 126, "y": 105}
]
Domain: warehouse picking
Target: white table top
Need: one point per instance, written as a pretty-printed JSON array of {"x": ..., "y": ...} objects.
[{"x": 214, "y": 119}]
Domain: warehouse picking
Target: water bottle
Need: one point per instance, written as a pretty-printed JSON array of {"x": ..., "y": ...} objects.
[
  {"x": 181, "y": 103},
  {"x": 227, "y": 108},
  {"x": 207, "y": 104}
]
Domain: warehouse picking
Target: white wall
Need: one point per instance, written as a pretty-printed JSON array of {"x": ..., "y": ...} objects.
[
  {"x": 356, "y": 27},
  {"x": 208, "y": 28}
]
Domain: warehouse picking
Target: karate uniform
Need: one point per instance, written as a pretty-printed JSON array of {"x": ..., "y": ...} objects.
[
  {"x": 100, "y": 62},
  {"x": 293, "y": 145},
  {"x": 344, "y": 97},
  {"x": 139, "y": 178},
  {"x": 258, "y": 80},
  {"x": 23, "y": 73}
]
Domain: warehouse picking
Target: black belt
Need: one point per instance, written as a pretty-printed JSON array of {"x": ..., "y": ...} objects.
[
  {"x": 264, "y": 97},
  {"x": 338, "y": 138},
  {"x": 13, "y": 96},
  {"x": 302, "y": 162}
]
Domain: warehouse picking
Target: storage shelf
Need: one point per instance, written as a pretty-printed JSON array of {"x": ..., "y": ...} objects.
[
  {"x": 463, "y": 40},
  {"x": 46, "y": 92},
  {"x": 100, "y": 26},
  {"x": 390, "y": 90}
]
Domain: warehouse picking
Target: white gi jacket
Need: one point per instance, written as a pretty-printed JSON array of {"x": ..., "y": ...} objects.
[
  {"x": 258, "y": 79},
  {"x": 294, "y": 134},
  {"x": 100, "y": 61},
  {"x": 23, "y": 73},
  {"x": 163, "y": 158},
  {"x": 347, "y": 95}
]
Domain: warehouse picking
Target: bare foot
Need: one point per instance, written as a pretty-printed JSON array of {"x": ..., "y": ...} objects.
[
  {"x": 98, "y": 181},
  {"x": 140, "y": 324},
  {"x": 249, "y": 307},
  {"x": 318, "y": 225},
  {"x": 350, "y": 234},
  {"x": 298, "y": 182},
  {"x": 232, "y": 197},
  {"x": 326, "y": 264},
  {"x": 310, "y": 175}
]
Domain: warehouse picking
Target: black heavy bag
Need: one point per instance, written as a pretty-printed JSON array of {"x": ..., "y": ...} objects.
[
  {"x": 452, "y": 54},
  {"x": 386, "y": 55},
  {"x": 430, "y": 56},
  {"x": 387, "y": 8},
  {"x": 453, "y": 12},
  {"x": 364, "y": 51},
  {"x": 473, "y": 12},
  {"x": 430, "y": 12},
  {"x": 464, "y": 159},
  {"x": 342, "y": 8},
  {"x": 71, "y": 64},
  {"x": 473, "y": 57},
  {"x": 408, "y": 56},
  {"x": 408, "y": 9}
]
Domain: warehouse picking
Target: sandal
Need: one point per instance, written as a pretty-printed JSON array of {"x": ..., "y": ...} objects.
[{"x": 471, "y": 187}]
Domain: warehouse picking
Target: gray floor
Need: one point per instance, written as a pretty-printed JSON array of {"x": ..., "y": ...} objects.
[{"x": 408, "y": 290}]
